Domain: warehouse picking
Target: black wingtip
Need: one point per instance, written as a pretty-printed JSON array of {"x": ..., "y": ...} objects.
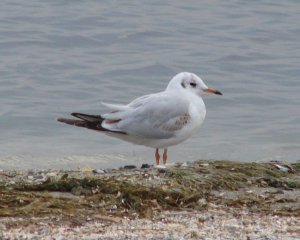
[{"x": 218, "y": 93}]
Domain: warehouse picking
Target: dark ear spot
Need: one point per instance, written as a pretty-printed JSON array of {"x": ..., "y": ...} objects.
[
  {"x": 183, "y": 84},
  {"x": 193, "y": 84}
]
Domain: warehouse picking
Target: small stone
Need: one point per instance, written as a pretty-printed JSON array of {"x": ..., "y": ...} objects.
[
  {"x": 204, "y": 164},
  {"x": 263, "y": 183},
  {"x": 59, "y": 238},
  {"x": 194, "y": 234},
  {"x": 176, "y": 190},
  {"x": 98, "y": 171},
  {"x": 202, "y": 202},
  {"x": 233, "y": 228},
  {"x": 202, "y": 219},
  {"x": 129, "y": 167},
  {"x": 30, "y": 177},
  {"x": 51, "y": 174},
  {"x": 281, "y": 168},
  {"x": 145, "y": 165},
  {"x": 160, "y": 167},
  {"x": 184, "y": 164},
  {"x": 87, "y": 169},
  {"x": 44, "y": 230},
  {"x": 39, "y": 177}
]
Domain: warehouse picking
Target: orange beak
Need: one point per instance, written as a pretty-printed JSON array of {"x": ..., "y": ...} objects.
[{"x": 212, "y": 90}]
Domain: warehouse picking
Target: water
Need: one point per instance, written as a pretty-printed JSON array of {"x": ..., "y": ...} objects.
[{"x": 62, "y": 56}]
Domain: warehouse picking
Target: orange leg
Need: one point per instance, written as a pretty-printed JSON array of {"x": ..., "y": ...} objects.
[
  {"x": 157, "y": 157},
  {"x": 165, "y": 156}
]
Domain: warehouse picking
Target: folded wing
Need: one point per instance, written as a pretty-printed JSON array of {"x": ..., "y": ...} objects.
[{"x": 156, "y": 116}]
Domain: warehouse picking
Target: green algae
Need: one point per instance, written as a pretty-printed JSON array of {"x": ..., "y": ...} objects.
[{"x": 296, "y": 166}]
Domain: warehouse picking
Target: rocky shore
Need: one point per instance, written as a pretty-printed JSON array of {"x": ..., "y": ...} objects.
[{"x": 199, "y": 200}]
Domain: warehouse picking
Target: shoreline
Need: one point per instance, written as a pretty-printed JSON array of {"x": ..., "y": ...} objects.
[{"x": 199, "y": 200}]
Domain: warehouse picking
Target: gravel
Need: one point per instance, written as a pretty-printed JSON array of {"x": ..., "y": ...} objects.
[{"x": 211, "y": 224}]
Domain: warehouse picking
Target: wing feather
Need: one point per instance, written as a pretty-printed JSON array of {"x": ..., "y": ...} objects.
[{"x": 154, "y": 116}]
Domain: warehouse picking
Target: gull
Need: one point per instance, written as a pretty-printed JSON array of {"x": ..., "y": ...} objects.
[{"x": 157, "y": 120}]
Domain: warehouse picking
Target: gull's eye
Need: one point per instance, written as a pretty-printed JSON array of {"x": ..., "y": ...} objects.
[{"x": 193, "y": 84}]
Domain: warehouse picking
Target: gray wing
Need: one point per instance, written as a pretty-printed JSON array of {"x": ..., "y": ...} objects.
[{"x": 152, "y": 116}]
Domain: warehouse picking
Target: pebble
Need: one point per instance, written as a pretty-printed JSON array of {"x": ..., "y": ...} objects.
[
  {"x": 44, "y": 230},
  {"x": 232, "y": 228},
  {"x": 51, "y": 174},
  {"x": 39, "y": 177},
  {"x": 178, "y": 226},
  {"x": 204, "y": 164},
  {"x": 60, "y": 238},
  {"x": 87, "y": 169},
  {"x": 30, "y": 177},
  {"x": 161, "y": 168},
  {"x": 281, "y": 168},
  {"x": 184, "y": 164},
  {"x": 202, "y": 202},
  {"x": 98, "y": 171},
  {"x": 129, "y": 167},
  {"x": 145, "y": 165}
]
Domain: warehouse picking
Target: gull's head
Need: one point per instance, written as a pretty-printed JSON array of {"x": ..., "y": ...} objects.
[{"x": 190, "y": 82}]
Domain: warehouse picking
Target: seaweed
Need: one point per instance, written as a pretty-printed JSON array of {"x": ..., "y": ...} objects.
[{"x": 196, "y": 186}]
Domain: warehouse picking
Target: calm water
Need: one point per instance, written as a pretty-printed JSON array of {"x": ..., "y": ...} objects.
[{"x": 62, "y": 56}]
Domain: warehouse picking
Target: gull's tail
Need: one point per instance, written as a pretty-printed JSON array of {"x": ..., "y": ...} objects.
[
  {"x": 87, "y": 121},
  {"x": 93, "y": 122}
]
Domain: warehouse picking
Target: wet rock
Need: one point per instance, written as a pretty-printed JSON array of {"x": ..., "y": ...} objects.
[
  {"x": 129, "y": 167},
  {"x": 282, "y": 168},
  {"x": 145, "y": 165}
]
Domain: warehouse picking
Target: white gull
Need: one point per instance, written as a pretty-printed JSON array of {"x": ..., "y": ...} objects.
[{"x": 158, "y": 120}]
